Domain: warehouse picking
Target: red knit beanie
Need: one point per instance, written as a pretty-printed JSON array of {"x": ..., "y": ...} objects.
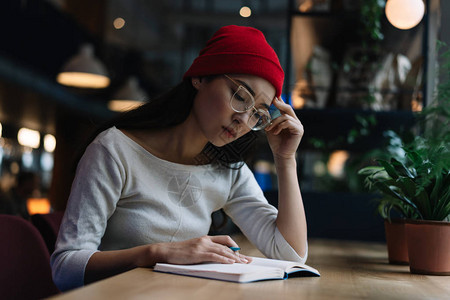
[{"x": 238, "y": 50}]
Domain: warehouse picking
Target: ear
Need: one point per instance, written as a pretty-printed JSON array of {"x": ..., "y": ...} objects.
[{"x": 196, "y": 82}]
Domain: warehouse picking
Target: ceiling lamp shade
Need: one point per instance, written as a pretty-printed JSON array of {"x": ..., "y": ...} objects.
[
  {"x": 129, "y": 96},
  {"x": 405, "y": 14},
  {"x": 84, "y": 71}
]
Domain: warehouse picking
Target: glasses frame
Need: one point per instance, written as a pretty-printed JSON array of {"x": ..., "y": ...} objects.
[{"x": 252, "y": 107}]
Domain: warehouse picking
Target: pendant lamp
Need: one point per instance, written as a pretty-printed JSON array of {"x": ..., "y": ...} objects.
[
  {"x": 84, "y": 71},
  {"x": 404, "y": 14},
  {"x": 128, "y": 97}
]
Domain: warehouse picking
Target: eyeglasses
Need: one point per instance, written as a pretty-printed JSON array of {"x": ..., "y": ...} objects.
[{"x": 242, "y": 101}]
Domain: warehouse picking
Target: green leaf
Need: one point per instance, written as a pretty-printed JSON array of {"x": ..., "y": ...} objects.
[
  {"x": 442, "y": 207},
  {"x": 423, "y": 204},
  {"x": 414, "y": 157},
  {"x": 389, "y": 168},
  {"x": 401, "y": 168},
  {"x": 388, "y": 191},
  {"x": 394, "y": 183},
  {"x": 384, "y": 210},
  {"x": 407, "y": 185},
  {"x": 370, "y": 170},
  {"x": 437, "y": 188},
  {"x": 388, "y": 203}
]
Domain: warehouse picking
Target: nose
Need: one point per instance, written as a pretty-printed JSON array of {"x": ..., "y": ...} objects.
[
  {"x": 242, "y": 117},
  {"x": 241, "y": 121}
]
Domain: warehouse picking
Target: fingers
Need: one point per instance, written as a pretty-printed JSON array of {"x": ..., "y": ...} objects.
[
  {"x": 224, "y": 240},
  {"x": 284, "y": 107},
  {"x": 245, "y": 258},
  {"x": 288, "y": 119},
  {"x": 203, "y": 249},
  {"x": 228, "y": 242},
  {"x": 285, "y": 122},
  {"x": 219, "y": 250}
]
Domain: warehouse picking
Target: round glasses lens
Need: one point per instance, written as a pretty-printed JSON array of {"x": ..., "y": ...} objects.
[
  {"x": 242, "y": 100},
  {"x": 259, "y": 120}
]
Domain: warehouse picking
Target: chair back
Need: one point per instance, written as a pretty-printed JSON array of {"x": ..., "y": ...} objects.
[
  {"x": 25, "y": 262},
  {"x": 48, "y": 226}
]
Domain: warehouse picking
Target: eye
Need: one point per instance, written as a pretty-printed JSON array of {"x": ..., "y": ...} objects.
[
  {"x": 262, "y": 115},
  {"x": 238, "y": 96},
  {"x": 260, "y": 121}
]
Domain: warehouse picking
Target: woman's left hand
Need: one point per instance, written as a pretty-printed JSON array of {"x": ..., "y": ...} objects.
[{"x": 285, "y": 132}]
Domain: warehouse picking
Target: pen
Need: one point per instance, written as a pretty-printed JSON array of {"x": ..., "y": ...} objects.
[{"x": 235, "y": 249}]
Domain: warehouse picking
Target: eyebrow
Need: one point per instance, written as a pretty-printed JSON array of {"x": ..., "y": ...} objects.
[
  {"x": 246, "y": 86},
  {"x": 264, "y": 105}
]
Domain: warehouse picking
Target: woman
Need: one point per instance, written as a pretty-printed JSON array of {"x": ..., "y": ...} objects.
[{"x": 146, "y": 186}]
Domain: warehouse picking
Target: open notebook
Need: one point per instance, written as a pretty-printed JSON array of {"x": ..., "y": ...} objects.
[{"x": 258, "y": 269}]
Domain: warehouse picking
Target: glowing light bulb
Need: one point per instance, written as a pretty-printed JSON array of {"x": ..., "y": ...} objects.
[
  {"x": 245, "y": 12},
  {"x": 405, "y": 14},
  {"x": 118, "y": 23}
]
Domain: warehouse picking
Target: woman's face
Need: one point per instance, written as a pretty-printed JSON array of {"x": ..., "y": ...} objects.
[{"x": 217, "y": 120}]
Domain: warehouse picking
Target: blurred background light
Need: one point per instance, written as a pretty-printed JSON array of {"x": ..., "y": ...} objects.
[
  {"x": 49, "y": 143},
  {"x": 27, "y": 158},
  {"x": 14, "y": 168},
  {"x": 119, "y": 23},
  {"x": 336, "y": 163},
  {"x": 29, "y": 138},
  {"x": 404, "y": 14},
  {"x": 38, "y": 206},
  {"x": 47, "y": 161},
  {"x": 245, "y": 12}
]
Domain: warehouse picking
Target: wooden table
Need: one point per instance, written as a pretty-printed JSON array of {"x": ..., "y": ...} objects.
[{"x": 350, "y": 270}]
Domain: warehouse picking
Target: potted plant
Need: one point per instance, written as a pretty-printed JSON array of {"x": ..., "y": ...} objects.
[{"x": 419, "y": 185}]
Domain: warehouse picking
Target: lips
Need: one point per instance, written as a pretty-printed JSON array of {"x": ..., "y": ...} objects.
[{"x": 230, "y": 133}]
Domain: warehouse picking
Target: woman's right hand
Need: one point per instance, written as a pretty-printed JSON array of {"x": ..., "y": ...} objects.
[
  {"x": 197, "y": 250},
  {"x": 104, "y": 264}
]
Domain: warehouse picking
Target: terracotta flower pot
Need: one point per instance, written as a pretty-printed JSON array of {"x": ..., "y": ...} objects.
[
  {"x": 428, "y": 247},
  {"x": 396, "y": 241}
]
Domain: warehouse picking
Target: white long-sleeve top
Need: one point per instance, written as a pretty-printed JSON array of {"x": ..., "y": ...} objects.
[{"x": 123, "y": 196}]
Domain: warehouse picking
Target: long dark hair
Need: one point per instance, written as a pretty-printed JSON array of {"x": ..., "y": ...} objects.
[{"x": 172, "y": 108}]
